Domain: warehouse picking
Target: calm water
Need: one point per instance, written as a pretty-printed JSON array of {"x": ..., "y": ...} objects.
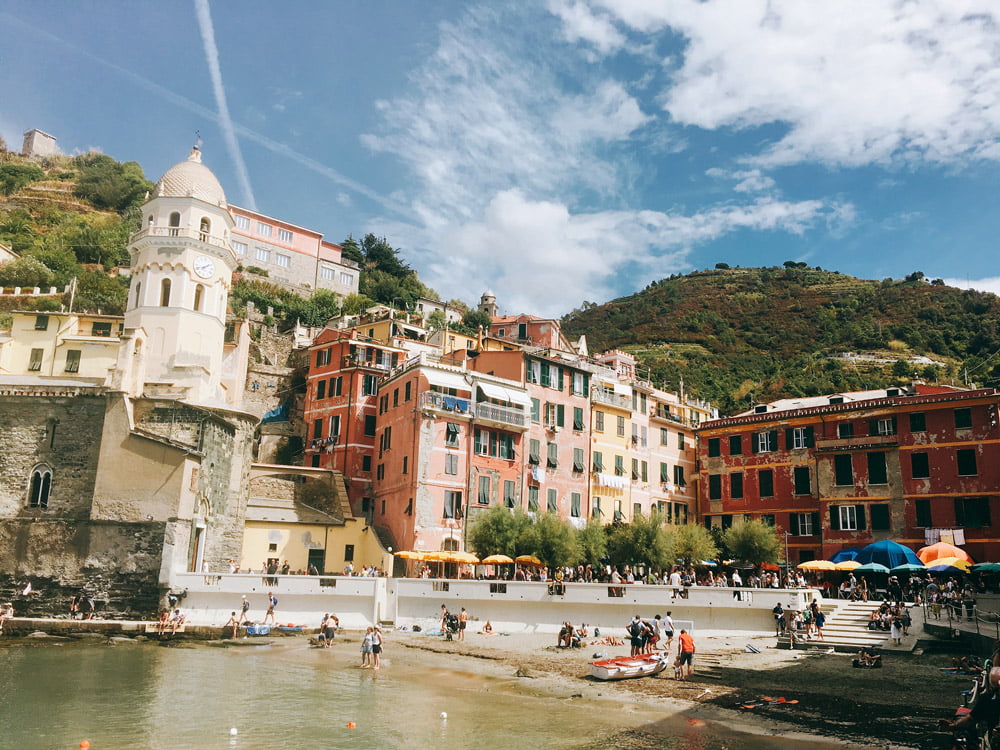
[{"x": 145, "y": 696}]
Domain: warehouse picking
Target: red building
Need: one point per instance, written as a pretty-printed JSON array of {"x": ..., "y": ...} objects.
[
  {"x": 914, "y": 464},
  {"x": 341, "y": 407}
]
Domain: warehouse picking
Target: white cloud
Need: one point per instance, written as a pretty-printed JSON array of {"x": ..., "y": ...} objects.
[
  {"x": 540, "y": 257},
  {"x": 506, "y": 162},
  {"x": 988, "y": 284},
  {"x": 581, "y": 23},
  {"x": 855, "y": 82}
]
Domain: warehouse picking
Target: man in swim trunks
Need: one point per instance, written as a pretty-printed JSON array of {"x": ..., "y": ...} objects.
[
  {"x": 685, "y": 654},
  {"x": 463, "y": 621}
]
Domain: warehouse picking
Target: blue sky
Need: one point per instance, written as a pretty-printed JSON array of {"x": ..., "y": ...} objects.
[{"x": 553, "y": 152}]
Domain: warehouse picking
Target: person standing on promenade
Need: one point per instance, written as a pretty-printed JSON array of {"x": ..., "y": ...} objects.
[
  {"x": 779, "y": 618},
  {"x": 463, "y": 622},
  {"x": 272, "y": 602},
  {"x": 685, "y": 654}
]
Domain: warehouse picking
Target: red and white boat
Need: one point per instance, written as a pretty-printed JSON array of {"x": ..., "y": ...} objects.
[{"x": 625, "y": 667}]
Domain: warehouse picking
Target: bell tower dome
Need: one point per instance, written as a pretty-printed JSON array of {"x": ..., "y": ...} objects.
[{"x": 182, "y": 266}]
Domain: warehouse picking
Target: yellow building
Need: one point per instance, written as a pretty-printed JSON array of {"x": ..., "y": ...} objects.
[
  {"x": 610, "y": 429},
  {"x": 78, "y": 345}
]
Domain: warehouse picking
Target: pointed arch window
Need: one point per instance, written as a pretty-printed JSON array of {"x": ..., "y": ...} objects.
[
  {"x": 165, "y": 293},
  {"x": 199, "y": 294},
  {"x": 41, "y": 485}
]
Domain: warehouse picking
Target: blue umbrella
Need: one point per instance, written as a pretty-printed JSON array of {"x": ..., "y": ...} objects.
[
  {"x": 888, "y": 553},
  {"x": 848, "y": 553}
]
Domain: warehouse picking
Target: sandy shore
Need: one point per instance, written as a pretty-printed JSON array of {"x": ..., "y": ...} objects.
[{"x": 896, "y": 706}]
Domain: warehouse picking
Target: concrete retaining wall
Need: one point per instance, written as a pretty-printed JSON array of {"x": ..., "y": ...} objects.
[{"x": 511, "y": 606}]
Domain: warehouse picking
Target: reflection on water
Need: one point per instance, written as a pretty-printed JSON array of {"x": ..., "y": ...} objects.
[{"x": 145, "y": 696}]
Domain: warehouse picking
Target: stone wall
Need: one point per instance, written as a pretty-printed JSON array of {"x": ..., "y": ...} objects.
[
  {"x": 61, "y": 433},
  {"x": 117, "y": 564}
]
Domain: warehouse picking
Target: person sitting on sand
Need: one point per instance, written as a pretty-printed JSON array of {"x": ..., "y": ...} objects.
[
  {"x": 565, "y": 636},
  {"x": 869, "y": 656},
  {"x": 487, "y": 628},
  {"x": 969, "y": 664}
]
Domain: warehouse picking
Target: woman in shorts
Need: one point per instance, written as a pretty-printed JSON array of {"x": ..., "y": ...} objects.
[
  {"x": 376, "y": 647},
  {"x": 366, "y": 648}
]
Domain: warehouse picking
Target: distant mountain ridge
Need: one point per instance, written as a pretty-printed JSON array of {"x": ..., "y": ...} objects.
[{"x": 738, "y": 336}]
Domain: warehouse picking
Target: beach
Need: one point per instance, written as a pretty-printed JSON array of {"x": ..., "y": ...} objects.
[{"x": 896, "y": 706}]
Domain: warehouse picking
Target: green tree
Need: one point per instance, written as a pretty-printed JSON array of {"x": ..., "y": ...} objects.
[
  {"x": 355, "y": 304},
  {"x": 692, "y": 544},
  {"x": 592, "y": 541},
  {"x": 901, "y": 368},
  {"x": 436, "y": 320},
  {"x": 644, "y": 540},
  {"x": 107, "y": 184},
  {"x": 553, "y": 540},
  {"x": 754, "y": 541},
  {"x": 96, "y": 291},
  {"x": 498, "y": 532},
  {"x": 25, "y": 272},
  {"x": 13, "y": 177}
]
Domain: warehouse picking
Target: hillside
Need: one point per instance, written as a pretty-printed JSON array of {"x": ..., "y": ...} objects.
[{"x": 744, "y": 335}]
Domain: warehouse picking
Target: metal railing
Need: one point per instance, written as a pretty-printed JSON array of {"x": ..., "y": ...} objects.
[
  {"x": 184, "y": 232},
  {"x": 501, "y": 414}
]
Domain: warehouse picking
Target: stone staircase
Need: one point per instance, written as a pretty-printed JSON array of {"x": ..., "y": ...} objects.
[{"x": 846, "y": 628}]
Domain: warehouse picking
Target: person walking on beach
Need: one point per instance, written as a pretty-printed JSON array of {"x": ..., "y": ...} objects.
[
  {"x": 463, "y": 621},
  {"x": 685, "y": 654},
  {"x": 668, "y": 631},
  {"x": 234, "y": 623},
  {"x": 272, "y": 602},
  {"x": 245, "y": 610}
]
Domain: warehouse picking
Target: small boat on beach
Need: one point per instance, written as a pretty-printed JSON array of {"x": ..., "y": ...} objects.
[{"x": 624, "y": 667}]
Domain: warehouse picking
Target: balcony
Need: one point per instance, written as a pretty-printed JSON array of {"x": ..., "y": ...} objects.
[
  {"x": 502, "y": 416},
  {"x": 179, "y": 232},
  {"x": 665, "y": 416},
  {"x": 610, "y": 398},
  {"x": 857, "y": 443},
  {"x": 350, "y": 363},
  {"x": 451, "y": 404}
]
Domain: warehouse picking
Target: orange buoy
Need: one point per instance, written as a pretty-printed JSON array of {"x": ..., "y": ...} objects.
[
  {"x": 351, "y": 725},
  {"x": 84, "y": 745}
]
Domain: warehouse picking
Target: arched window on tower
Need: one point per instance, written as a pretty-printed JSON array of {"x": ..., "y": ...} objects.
[
  {"x": 199, "y": 294},
  {"x": 205, "y": 229},
  {"x": 41, "y": 485},
  {"x": 165, "y": 293},
  {"x": 175, "y": 222}
]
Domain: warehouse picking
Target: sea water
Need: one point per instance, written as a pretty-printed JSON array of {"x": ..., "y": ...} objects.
[{"x": 178, "y": 698}]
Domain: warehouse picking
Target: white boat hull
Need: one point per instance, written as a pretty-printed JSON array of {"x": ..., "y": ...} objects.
[{"x": 626, "y": 667}]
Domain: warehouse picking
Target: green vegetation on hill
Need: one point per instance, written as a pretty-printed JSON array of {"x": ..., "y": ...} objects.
[
  {"x": 64, "y": 212},
  {"x": 743, "y": 335}
]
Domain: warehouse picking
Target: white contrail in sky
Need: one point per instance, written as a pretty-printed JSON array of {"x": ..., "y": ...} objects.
[
  {"x": 225, "y": 121},
  {"x": 192, "y": 106}
]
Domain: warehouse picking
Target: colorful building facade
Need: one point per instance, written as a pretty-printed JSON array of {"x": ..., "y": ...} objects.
[{"x": 915, "y": 464}]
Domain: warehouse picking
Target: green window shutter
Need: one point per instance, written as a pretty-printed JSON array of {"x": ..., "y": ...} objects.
[
  {"x": 810, "y": 437},
  {"x": 586, "y": 385},
  {"x": 577, "y": 418},
  {"x": 560, "y": 414},
  {"x": 835, "y": 517},
  {"x": 789, "y": 438},
  {"x": 536, "y": 410},
  {"x": 859, "y": 510},
  {"x": 815, "y": 524},
  {"x": 598, "y": 461},
  {"x": 560, "y": 377},
  {"x": 793, "y": 524},
  {"x": 664, "y": 473}
]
